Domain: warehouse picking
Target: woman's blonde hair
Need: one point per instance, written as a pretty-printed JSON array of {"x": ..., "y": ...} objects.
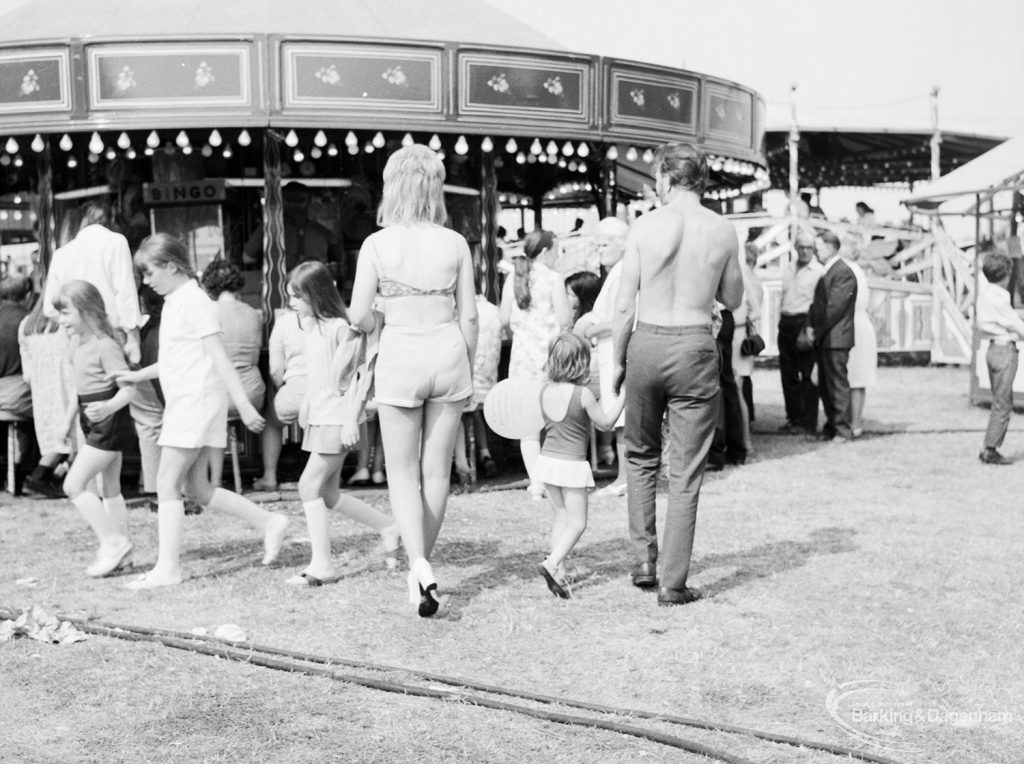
[{"x": 413, "y": 188}]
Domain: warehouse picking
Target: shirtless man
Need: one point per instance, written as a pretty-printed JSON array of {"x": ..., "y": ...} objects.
[{"x": 679, "y": 259}]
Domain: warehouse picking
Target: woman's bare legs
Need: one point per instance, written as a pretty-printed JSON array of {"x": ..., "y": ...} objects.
[{"x": 857, "y": 397}]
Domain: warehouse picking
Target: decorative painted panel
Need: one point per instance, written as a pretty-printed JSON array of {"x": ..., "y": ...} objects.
[
  {"x": 362, "y": 77},
  {"x": 639, "y": 100},
  {"x": 34, "y": 81},
  {"x": 172, "y": 75},
  {"x": 728, "y": 114},
  {"x": 525, "y": 86}
]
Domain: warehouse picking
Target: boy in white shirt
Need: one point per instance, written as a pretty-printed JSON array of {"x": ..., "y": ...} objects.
[{"x": 1001, "y": 328}]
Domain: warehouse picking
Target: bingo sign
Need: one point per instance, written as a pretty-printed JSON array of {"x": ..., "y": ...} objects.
[{"x": 183, "y": 193}]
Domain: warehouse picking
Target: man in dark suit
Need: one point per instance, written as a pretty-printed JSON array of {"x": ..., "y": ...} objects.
[{"x": 830, "y": 327}]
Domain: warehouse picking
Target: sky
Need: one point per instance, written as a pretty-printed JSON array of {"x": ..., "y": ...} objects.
[{"x": 870, "y": 63}]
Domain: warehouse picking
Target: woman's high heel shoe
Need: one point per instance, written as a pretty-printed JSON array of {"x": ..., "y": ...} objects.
[{"x": 426, "y": 588}]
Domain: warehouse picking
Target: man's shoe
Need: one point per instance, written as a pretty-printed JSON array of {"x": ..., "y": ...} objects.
[
  {"x": 645, "y": 575},
  {"x": 991, "y": 456},
  {"x": 668, "y": 597}
]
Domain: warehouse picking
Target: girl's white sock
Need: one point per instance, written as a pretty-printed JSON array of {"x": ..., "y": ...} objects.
[
  {"x": 231, "y": 503},
  {"x": 361, "y": 512},
  {"x": 91, "y": 508},
  {"x": 170, "y": 522},
  {"x": 318, "y": 524},
  {"x": 117, "y": 511}
]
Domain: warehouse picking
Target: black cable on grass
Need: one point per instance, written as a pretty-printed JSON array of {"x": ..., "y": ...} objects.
[
  {"x": 494, "y": 690},
  {"x": 252, "y": 655}
]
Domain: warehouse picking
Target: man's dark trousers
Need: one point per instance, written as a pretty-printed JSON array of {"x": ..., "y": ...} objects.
[
  {"x": 835, "y": 392},
  {"x": 796, "y": 368},
  {"x": 674, "y": 368}
]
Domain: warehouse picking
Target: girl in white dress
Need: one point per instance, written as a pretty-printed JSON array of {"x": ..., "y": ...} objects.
[{"x": 196, "y": 377}]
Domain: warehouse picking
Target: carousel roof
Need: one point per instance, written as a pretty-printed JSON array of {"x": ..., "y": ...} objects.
[
  {"x": 467, "y": 21},
  {"x": 1001, "y": 169}
]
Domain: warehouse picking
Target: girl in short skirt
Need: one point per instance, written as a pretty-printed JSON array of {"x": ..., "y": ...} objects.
[
  {"x": 196, "y": 378},
  {"x": 569, "y": 408},
  {"x": 102, "y": 411},
  {"x": 330, "y": 414}
]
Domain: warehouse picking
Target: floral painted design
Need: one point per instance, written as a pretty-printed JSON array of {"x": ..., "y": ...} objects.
[
  {"x": 554, "y": 86},
  {"x": 204, "y": 75},
  {"x": 637, "y": 94},
  {"x": 499, "y": 83},
  {"x": 328, "y": 75},
  {"x": 720, "y": 111},
  {"x": 395, "y": 76},
  {"x": 30, "y": 83},
  {"x": 674, "y": 100},
  {"x": 125, "y": 79}
]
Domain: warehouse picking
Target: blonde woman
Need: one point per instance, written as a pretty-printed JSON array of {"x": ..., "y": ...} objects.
[{"x": 423, "y": 274}]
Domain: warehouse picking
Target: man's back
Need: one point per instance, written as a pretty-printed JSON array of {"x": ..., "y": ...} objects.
[{"x": 685, "y": 252}]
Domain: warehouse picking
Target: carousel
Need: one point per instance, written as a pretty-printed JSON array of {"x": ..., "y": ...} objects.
[{"x": 194, "y": 118}]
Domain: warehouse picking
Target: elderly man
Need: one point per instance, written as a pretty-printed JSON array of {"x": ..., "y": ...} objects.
[
  {"x": 596, "y": 326},
  {"x": 679, "y": 259},
  {"x": 101, "y": 257},
  {"x": 830, "y": 327},
  {"x": 796, "y": 364}
]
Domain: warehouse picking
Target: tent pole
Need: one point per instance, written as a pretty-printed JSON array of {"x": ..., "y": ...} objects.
[
  {"x": 936, "y": 141},
  {"x": 794, "y": 163}
]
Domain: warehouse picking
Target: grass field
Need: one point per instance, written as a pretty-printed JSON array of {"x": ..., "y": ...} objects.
[{"x": 882, "y": 576}]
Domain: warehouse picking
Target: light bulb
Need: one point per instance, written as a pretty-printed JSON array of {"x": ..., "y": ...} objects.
[
  {"x": 244, "y": 139},
  {"x": 215, "y": 138},
  {"x": 72, "y": 162},
  {"x": 562, "y": 163},
  {"x": 567, "y": 149},
  {"x": 552, "y": 147},
  {"x": 66, "y": 144},
  {"x": 535, "y": 147},
  {"x": 291, "y": 140},
  {"x": 511, "y": 147},
  {"x": 520, "y": 158},
  {"x": 353, "y": 149},
  {"x": 38, "y": 144},
  {"x": 187, "y": 150},
  {"x": 332, "y": 150},
  {"x": 631, "y": 154},
  {"x": 542, "y": 158},
  {"x": 351, "y": 139},
  {"x": 206, "y": 150},
  {"x": 368, "y": 148},
  {"x": 298, "y": 156},
  {"x": 130, "y": 153},
  {"x": 153, "y": 140},
  {"x": 12, "y": 146},
  {"x": 181, "y": 139},
  {"x": 573, "y": 165},
  {"x": 316, "y": 152},
  {"x": 583, "y": 150},
  {"x": 407, "y": 139},
  {"x": 228, "y": 153},
  {"x": 648, "y": 156},
  {"x": 435, "y": 142},
  {"x": 613, "y": 153},
  {"x": 582, "y": 167},
  {"x": 461, "y": 146},
  {"x": 95, "y": 143},
  {"x": 111, "y": 154},
  {"x": 320, "y": 139},
  {"x": 123, "y": 141},
  {"x": 487, "y": 145},
  {"x": 378, "y": 140},
  {"x": 148, "y": 152}
]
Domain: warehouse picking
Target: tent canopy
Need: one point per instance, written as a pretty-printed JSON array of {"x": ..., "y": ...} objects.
[
  {"x": 1000, "y": 169},
  {"x": 861, "y": 157},
  {"x": 465, "y": 21}
]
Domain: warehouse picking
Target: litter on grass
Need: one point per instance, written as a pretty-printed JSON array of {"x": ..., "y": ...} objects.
[{"x": 35, "y": 623}]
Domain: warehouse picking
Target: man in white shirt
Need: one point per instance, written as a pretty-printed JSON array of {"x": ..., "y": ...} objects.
[
  {"x": 1001, "y": 328},
  {"x": 101, "y": 257},
  {"x": 796, "y": 366}
]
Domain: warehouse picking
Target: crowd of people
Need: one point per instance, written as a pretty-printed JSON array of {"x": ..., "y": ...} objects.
[{"x": 662, "y": 337}]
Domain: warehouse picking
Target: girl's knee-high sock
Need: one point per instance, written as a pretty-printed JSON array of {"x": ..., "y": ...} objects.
[
  {"x": 170, "y": 522},
  {"x": 318, "y": 523},
  {"x": 361, "y": 512},
  {"x": 230, "y": 503},
  {"x": 117, "y": 511},
  {"x": 91, "y": 508}
]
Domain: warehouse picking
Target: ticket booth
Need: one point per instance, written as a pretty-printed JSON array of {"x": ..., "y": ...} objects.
[{"x": 193, "y": 212}]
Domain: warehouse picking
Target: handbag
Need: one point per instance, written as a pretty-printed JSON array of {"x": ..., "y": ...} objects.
[{"x": 753, "y": 343}]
